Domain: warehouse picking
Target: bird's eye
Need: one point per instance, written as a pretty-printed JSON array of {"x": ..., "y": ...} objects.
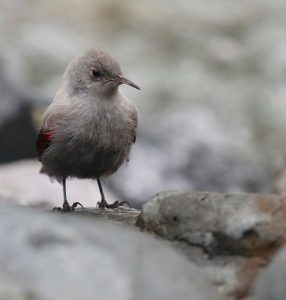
[{"x": 95, "y": 74}]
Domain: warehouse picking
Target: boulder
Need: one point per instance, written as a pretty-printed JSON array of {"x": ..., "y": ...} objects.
[
  {"x": 231, "y": 236},
  {"x": 55, "y": 256}
]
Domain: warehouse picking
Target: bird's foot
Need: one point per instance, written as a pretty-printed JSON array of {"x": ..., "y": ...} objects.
[
  {"x": 103, "y": 204},
  {"x": 68, "y": 208}
]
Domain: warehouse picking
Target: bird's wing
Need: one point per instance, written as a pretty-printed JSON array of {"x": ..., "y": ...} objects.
[
  {"x": 43, "y": 141},
  {"x": 134, "y": 118},
  {"x": 53, "y": 117},
  {"x": 46, "y": 134}
]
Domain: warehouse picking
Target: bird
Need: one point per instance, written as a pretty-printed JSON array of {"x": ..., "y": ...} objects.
[{"x": 90, "y": 126}]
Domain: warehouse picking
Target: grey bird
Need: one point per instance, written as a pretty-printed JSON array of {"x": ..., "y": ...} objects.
[{"x": 90, "y": 126}]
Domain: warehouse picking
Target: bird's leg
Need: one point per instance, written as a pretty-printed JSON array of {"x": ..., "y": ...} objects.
[
  {"x": 66, "y": 207},
  {"x": 103, "y": 204}
]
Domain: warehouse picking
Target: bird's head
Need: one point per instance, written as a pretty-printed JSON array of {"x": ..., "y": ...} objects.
[{"x": 97, "y": 73}]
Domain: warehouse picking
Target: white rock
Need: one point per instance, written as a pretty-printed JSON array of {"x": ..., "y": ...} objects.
[
  {"x": 56, "y": 256},
  {"x": 21, "y": 183}
]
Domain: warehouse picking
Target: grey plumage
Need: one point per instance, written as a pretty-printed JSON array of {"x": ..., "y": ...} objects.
[{"x": 92, "y": 124}]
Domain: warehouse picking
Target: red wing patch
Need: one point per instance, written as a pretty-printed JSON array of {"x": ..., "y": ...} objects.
[{"x": 43, "y": 141}]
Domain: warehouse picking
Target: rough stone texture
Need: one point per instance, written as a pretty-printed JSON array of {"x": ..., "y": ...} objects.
[
  {"x": 56, "y": 256},
  {"x": 271, "y": 283},
  {"x": 238, "y": 233},
  {"x": 219, "y": 223},
  {"x": 21, "y": 183},
  {"x": 230, "y": 237},
  {"x": 122, "y": 215}
]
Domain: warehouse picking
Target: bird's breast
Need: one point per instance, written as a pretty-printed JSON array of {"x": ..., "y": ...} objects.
[{"x": 107, "y": 126}]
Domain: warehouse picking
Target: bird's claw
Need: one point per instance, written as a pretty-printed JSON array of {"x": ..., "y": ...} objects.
[
  {"x": 116, "y": 204},
  {"x": 75, "y": 204},
  {"x": 68, "y": 208}
]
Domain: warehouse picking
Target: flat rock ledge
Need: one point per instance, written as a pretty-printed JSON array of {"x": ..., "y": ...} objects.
[{"x": 123, "y": 215}]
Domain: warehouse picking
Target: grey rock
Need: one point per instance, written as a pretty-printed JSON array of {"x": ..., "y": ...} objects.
[
  {"x": 271, "y": 284},
  {"x": 56, "y": 256},
  {"x": 219, "y": 223},
  {"x": 122, "y": 215},
  {"x": 230, "y": 236}
]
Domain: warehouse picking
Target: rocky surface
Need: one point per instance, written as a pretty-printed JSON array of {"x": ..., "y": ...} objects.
[
  {"x": 57, "y": 256},
  {"x": 122, "y": 215},
  {"x": 231, "y": 236},
  {"x": 222, "y": 243}
]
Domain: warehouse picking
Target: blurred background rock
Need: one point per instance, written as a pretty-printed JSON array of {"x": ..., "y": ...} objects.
[{"x": 213, "y": 79}]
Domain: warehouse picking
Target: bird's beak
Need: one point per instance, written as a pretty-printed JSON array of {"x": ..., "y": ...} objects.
[{"x": 124, "y": 80}]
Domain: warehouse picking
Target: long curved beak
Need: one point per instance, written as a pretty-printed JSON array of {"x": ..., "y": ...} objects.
[{"x": 124, "y": 80}]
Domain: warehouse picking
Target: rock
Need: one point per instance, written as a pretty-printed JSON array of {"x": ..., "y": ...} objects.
[
  {"x": 271, "y": 281},
  {"x": 234, "y": 234},
  {"x": 21, "y": 183},
  {"x": 219, "y": 223},
  {"x": 124, "y": 215},
  {"x": 173, "y": 155},
  {"x": 17, "y": 133},
  {"x": 56, "y": 256}
]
